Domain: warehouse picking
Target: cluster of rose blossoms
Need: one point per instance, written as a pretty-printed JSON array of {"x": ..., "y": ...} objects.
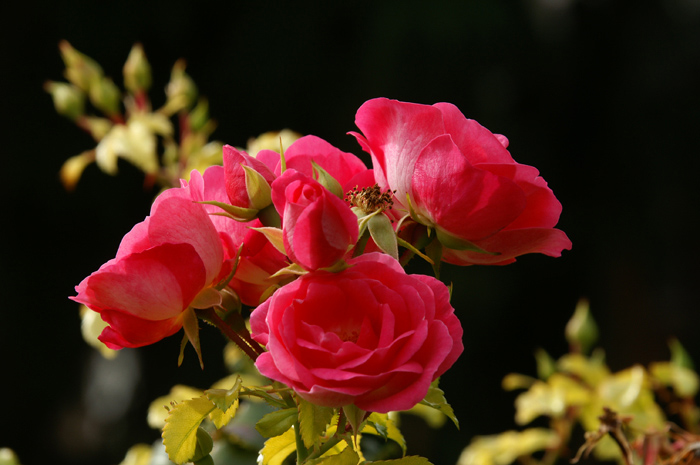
[{"x": 340, "y": 320}]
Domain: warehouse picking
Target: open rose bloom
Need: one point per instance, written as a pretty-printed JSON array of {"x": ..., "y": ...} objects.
[
  {"x": 333, "y": 318},
  {"x": 459, "y": 179},
  {"x": 370, "y": 335}
]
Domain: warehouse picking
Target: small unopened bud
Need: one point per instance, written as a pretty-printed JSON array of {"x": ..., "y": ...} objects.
[
  {"x": 181, "y": 90},
  {"x": 581, "y": 330},
  {"x": 105, "y": 95},
  {"x": 73, "y": 168},
  {"x": 137, "y": 70},
  {"x": 199, "y": 116},
  {"x": 81, "y": 70},
  {"x": 68, "y": 99}
]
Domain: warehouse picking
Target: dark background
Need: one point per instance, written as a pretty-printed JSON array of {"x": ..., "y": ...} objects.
[{"x": 600, "y": 95}]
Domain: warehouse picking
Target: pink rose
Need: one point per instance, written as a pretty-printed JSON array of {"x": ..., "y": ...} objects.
[
  {"x": 461, "y": 181},
  {"x": 238, "y": 180},
  {"x": 345, "y": 167},
  {"x": 370, "y": 335},
  {"x": 318, "y": 227},
  {"x": 259, "y": 260},
  {"x": 162, "y": 265}
]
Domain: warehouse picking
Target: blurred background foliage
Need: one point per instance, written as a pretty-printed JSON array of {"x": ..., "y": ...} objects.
[{"x": 600, "y": 95}]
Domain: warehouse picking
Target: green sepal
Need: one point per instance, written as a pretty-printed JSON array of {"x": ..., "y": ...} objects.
[
  {"x": 275, "y": 236},
  {"x": 435, "y": 398},
  {"x": 383, "y": 235},
  {"x": 259, "y": 191},
  {"x": 224, "y": 282},
  {"x": 434, "y": 250},
  {"x": 292, "y": 269},
  {"x": 326, "y": 180},
  {"x": 183, "y": 344},
  {"x": 206, "y": 298},
  {"x": 355, "y": 417},
  {"x": 313, "y": 422},
  {"x": 269, "y": 216},
  {"x": 237, "y": 213},
  {"x": 191, "y": 326},
  {"x": 277, "y": 422},
  {"x": 412, "y": 248},
  {"x": 181, "y": 426},
  {"x": 457, "y": 243}
]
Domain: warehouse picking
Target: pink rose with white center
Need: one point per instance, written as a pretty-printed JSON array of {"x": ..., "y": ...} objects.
[{"x": 370, "y": 335}]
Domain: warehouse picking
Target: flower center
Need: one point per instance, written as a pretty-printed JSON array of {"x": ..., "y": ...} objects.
[{"x": 370, "y": 199}]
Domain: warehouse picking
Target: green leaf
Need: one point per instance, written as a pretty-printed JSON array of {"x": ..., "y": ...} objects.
[
  {"x": 383, "y": 234},
  {"x": 180, "y": 431},
  {"x": 381, "y": 425},
  {"x": 277, "y": 422},
  {"x": 223, "y": 399},
  {"x": 158, "y": 409},
  {"x": 410, "y": 460},
  {"x": 313, "y": 422},
  {"x": 347, "y": 457},
  {"x": 191, "y": 326},
  {"x": 226, "y": 402},
  {"x": 274, "y": 235},
  {"x": 278, "y": 448},
  {"x": 436, "y": 399},
  {"x": 139, "y": 454},
  {"x": 326, "y": 180}
]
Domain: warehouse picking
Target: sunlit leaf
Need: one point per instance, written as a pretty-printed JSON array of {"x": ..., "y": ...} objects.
[
  {"x": 381, "y": 425},
  {"x": 435, "y": 398},
  {"x": 225, "y": 398},
  {"x": 346, "y": 457},
  {"x": 180, "y": 431},
  {"x": 278, "y": 448},
  {"x": 140, "y": 454},
  {"x": 505, "y": 448},
  {"x": 551, "y": 398},
  {"x": 313, "y": 422},
  {"x": 592, "y": 370},
  {"x": 410, "y": 460},
  {"x": 158, "y": 409},
  {"x": 277, "y": 422},
  {"x": 684, "y": 381}
]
